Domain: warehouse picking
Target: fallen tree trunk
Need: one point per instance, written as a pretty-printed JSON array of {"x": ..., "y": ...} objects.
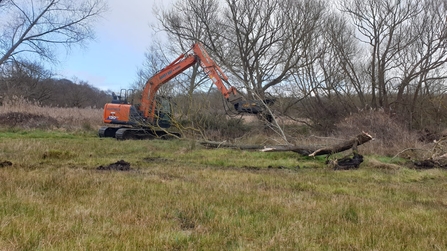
[
  {"x": 215, "y": 144},
  {"x": 346, "y": 145},
  {"x": 303, "y": 150},
  {"x": 340, "y": 147}
]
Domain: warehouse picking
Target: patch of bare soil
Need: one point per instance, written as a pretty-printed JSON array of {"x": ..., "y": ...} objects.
[
  {"x": 27, "y": 120},
  {"x": 120, "y": 165}
]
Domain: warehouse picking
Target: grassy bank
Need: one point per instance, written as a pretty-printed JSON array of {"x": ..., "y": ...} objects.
[{"x": 180, "y": 196}]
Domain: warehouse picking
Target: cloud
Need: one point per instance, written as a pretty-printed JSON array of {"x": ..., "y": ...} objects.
[{"x": 129, "y": 21}]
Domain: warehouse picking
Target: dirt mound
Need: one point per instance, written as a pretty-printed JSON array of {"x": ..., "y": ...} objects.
[
  {"x": 117, "y": 166},
  {"x": 27, "y": 120}
]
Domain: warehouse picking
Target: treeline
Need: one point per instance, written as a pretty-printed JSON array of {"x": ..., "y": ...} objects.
[
  {"x": 34, "y": 83},
  {"x": 321, "y": 60},
  {"x": 35, "y": 31}
]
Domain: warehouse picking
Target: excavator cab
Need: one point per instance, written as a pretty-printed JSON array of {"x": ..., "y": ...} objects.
[
  {"x": 164, "y": 112},
  {"x": 126, "y": 96}
]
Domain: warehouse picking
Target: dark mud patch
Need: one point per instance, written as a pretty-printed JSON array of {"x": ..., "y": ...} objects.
[
  {"x": 346, "y": 163},
  {"x": 120, "y": 165},
  {"x": 5, "y": 163},
  {"x": 428, "y": 164}
]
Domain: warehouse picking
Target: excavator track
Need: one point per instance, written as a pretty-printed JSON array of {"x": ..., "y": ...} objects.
[
  {"x": 107, "y": 132},
  {"x": 143, "y": 133},
  {"x": 127, "y": 133}
]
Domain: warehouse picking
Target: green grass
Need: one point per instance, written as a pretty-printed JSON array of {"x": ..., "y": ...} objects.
[{"x": 181, "y": 196}]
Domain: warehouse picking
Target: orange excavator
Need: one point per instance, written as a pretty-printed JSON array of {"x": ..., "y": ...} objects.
[{"x": 151, "y": 118}]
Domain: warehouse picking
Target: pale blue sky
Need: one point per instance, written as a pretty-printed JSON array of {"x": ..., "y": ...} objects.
[{"x": 122, "y": 37}]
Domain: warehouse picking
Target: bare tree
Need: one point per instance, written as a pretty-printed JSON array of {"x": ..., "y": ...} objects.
[
  {"x": 343, "y": 60},
  {"x": 406, "y": 39},
  {"x": 266, "y": 40},
  {"x": 36, "y": 27},
  {"x": 257, "y": 42},
  {"x": 30, "y": 80},
  {"x": 424, "y": 63},
  {"x": 24, "y": 79},
  {"x": 187, "y": 22},
  {"x": 260, "y": 44},
  {"x": 407, "y": 51}
]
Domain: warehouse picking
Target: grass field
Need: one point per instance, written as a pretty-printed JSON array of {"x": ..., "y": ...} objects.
[{"x": 181, "y": 196}]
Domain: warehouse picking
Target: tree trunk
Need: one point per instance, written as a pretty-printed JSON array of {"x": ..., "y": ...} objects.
[{"x": 303, "y": 150}]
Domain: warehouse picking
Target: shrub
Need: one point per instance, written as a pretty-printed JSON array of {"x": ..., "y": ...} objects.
[
  {"x": 390, "y": 135},
  {"x": 216, "y": 126}
]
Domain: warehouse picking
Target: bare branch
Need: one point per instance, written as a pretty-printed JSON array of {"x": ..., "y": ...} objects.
[{"x": 38, "y": 28}]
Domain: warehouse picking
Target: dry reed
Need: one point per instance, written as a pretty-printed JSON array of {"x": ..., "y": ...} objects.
[{"x": 69, "y": 118}]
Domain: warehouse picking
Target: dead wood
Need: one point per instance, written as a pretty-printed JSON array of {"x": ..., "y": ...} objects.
[
  {"x": 343, "y": 146},
  {"x": 216, "y": 144},
  {"x": 313, "y": 151},
  {"x": 303, "y": 150},
  {"x": 434, "y": 156},
  {"x": 438, "y": 156}
]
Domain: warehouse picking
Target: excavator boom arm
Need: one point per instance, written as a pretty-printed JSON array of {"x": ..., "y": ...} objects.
[
  {"x": 179, "y": 65},
  {"x": 182, "y": 63},
  {"x": 213, "y": 71}
]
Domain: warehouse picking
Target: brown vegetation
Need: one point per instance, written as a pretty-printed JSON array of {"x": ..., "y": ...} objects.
[
  {"x": 390, "y": 135},
  {"x": 20, "y": 113}
]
